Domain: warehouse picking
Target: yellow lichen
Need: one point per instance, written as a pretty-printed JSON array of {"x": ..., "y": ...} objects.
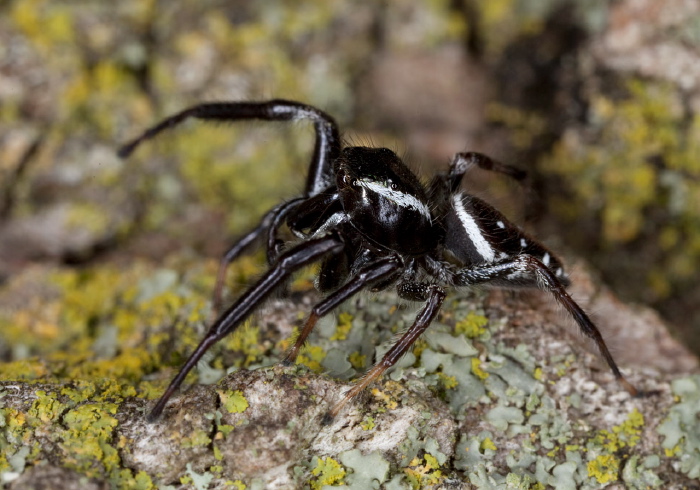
[
  {"x": 311, "y": 357},
  {"x": 627, "y": 433},
  {"x": 388, "y": 401},
  {"x": 195, "y": 439},
  {"x": 446, "y": 381},
  {"x": 233, "y": 401},
  {"x": 85, "y": 441},
  {"x": 604, "y": 468},
  {"x": 343, "y": 328},
  {"x": 487, "y": 443},
  {"x": 246, "y": 340},
  {"x": 473, "y": 325},
  {"x": 422, "y": 474},
  {"x": 46, "y": 408},
  {"x": 327, "y": 472},
  {"x": 357, "y": 360},
  {"x": 367, "y": 423},
  {"x": 476, "y": 369}
]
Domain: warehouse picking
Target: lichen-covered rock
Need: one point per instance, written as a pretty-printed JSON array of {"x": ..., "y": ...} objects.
[{"x": 496, "y": 393}]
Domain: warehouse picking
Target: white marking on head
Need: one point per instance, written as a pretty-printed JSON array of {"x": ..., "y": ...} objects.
[
  {"x": 545, "y": 259},
  {"x": 401, "y": 198},
  {"x": 500, "y": 224},
  {"x": 482, "y": 246},
  {"x": 523, "y": 243}
]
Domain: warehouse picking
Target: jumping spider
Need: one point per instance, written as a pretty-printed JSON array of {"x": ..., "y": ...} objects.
[{"x": 372, "y": 224}]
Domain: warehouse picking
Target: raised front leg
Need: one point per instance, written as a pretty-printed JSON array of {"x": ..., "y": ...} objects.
[{"x": 326, "y": 149}]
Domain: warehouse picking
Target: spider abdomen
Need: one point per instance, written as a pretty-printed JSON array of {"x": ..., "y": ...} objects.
[{"x": 479, "y": 234}]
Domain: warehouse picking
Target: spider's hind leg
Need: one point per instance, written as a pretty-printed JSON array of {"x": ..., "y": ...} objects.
[{"x": 527, "y": 264}]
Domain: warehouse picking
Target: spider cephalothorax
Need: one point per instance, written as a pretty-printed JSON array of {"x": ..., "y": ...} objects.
[{"x": 372, "y": 224}]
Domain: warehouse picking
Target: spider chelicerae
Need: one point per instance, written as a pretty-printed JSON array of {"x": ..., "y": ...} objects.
[{"x": 372, "y": 224}]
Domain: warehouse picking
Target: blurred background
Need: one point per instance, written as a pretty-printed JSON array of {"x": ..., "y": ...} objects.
[{"x": 599, "y": 101}]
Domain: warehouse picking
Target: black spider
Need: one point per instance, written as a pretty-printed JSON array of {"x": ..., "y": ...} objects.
[{"x": 371, "y": 222}]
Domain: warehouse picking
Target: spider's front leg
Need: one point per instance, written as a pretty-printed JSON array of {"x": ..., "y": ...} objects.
[
  {"x": 268, "y": 226},
  {"x": 527, "y": 264},
  {"x": 290, "y": 261},
  {"x": 319, "y": 178},
  {"x": 370, "y": 274},
  {"x": 433, "y": 295},
  {"x": 326, "y": 148}
]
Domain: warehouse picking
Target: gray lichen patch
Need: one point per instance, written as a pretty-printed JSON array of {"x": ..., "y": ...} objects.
[{"x": 495, "y": 394}]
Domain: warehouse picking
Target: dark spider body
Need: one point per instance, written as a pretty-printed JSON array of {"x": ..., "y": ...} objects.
[{"x": 372, "y": 224}]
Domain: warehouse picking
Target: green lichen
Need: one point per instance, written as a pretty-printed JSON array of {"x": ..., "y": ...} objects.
[
  {"x": 200, "y": 481},
  {"x": 681, "y": 437},
  {"x": 368, "y": 471}
]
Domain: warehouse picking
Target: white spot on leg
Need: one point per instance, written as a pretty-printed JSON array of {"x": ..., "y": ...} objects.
[
  {"x": 545, "y": 259},
  {"x": 473, "y": 231},
  {"x": 500, "y": 224},
  {"x": 523, "y": 243}
]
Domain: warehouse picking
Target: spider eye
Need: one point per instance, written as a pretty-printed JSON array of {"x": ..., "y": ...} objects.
[
  {"x": 394, "y": 186},
  {"x": 354, "y": 183}
]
